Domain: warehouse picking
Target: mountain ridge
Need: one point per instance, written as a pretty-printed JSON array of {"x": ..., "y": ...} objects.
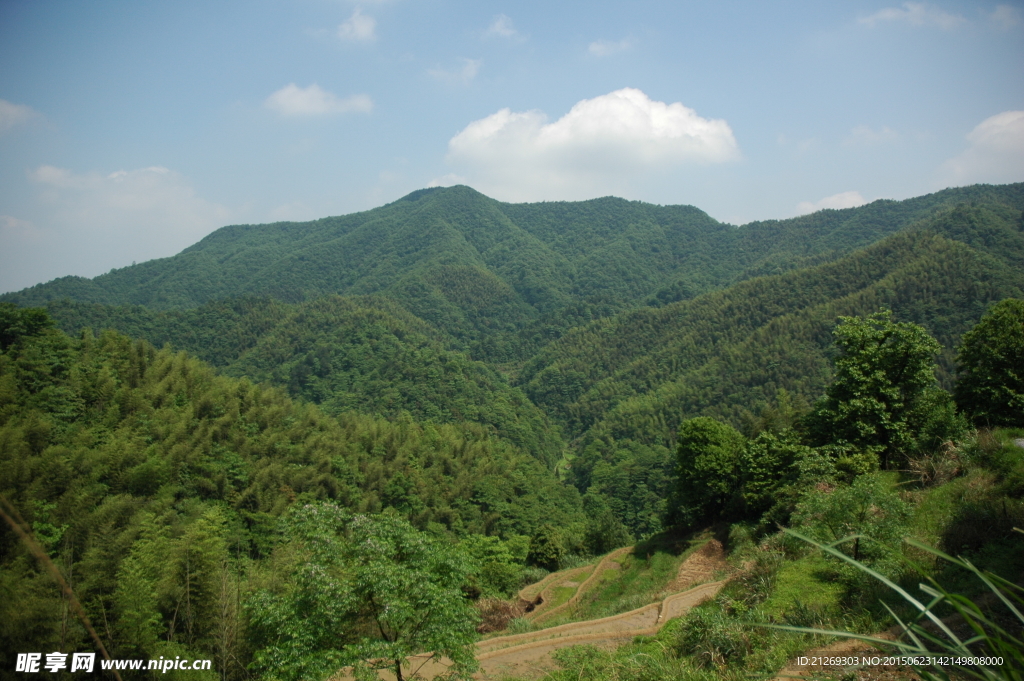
[{"x": 245, "y": 253}]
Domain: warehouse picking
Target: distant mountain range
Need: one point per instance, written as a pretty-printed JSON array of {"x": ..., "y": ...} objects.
[{"x": 595, "y": 325}]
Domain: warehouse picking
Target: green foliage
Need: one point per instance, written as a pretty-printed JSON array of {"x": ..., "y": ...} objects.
[
  {"x": 604, "y": 530},
  {"x": 630, "y": 478},
  {"x": 769, "y": 464},
  {"x": 990, "y": 379},
  {"x": 499, "y": 564},
  {"x": 865, "y": 519},
  {"x": 158, "y": 484},
  {"x": 713, "y": 638},
  {"x": 300, "y": 626},
  {"x": 884, "y": 398},
  {"x": 409, "y": 588},
  {"x": 623, "y": 384},
  {"x": 364, "y": 590},
  {"x": 16, "y": 323},
  {"x": 372, "y": 356},
  {"x": 708, "y": 469},
  {"x": 938, "y": 649},
  {"x": 547, "y": 548}
]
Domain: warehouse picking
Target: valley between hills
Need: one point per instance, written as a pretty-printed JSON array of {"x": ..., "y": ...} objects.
[{"x": 419, "y": 430}]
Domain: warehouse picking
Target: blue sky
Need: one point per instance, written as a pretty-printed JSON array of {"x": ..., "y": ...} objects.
[{"x": 129, "y": 130}]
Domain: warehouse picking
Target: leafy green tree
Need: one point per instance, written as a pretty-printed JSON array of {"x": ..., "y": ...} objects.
[
  {"x": 604, "y": 531},
  {"x": 867, "y": 508},
  {"x": 884, "y": 398},
  {"x": 707, "y": 472},
  {"x": 769, "y": 463},
  {"x": 301, "y": 623},
  {"x": 500, "y": 563},
  {"x": 18, "y": 322},
  {"x": 547, "y": 547},
  {"x": 409, "y": 587},
  {"x": 990, "y": 383}
]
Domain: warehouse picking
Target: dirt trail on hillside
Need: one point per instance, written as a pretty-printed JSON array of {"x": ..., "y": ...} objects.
[
  {"x": 541, "y": 602},
  {"x": 610, "y": 562},
  {"x": 529, "y": 654},
  {"x": 700, "y": 567}
]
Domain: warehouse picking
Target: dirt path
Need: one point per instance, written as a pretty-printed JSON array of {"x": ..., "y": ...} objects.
[
  {"x": 529, "y": 654},
  {"x": 609, "y": 562},
  {"x": 546, "y": 596},
  {"x": 699, "y": 567}
]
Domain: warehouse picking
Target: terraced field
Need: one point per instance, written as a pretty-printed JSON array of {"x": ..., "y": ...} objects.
[{"x": 698, "y": 578}]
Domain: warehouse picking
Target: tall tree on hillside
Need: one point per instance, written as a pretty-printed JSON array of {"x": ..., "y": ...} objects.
[
  {"x": 408, "y": 587},
  {"x": 884, "y": 398},
  {"x": 707, "y": 470},
  {"x": 990, "y": 385}
]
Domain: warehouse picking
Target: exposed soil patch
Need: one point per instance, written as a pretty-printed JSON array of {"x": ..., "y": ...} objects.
[
  {"x": 700, "y": 566},
  {"x": 495, "y": 614}
]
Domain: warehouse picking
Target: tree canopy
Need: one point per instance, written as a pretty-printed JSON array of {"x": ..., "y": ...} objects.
[
  {"x": 708, "y": 460},
  {"x": 990, "y": 380},
  {"x": 884, "y": 395}
]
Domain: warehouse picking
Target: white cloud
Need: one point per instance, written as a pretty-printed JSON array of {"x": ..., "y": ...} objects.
[
  {"x": 836, "y": 201},
  {"x": 87, "y": 223},
  {"x": 291, "y": 100},
  {"x": 996, "y": 153},
  {"x": 1006, "y": 16},
  {"x": 862, "y": 135},
  {"x": 359, "y": 28},
  {"x": 603, "y": 48},
  {"x": 502, "y": 26},
  {"x": 464, "y": 76},
  {"x": 600, "y": 145},
  {"x": 14, "y": 114},
  {"x": 915, "y": 14}
]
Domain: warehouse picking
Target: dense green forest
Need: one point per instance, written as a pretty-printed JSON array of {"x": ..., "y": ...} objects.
[{"x": 491, "y": 390}]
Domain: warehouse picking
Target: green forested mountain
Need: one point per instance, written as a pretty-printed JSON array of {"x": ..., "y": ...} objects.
[
  {"x": 521, "y": 384},
  {"x": 157, "y": 484},
  {"x": 615, "y": 320},
  {"x": 483, "y": 271},
  {"x": 622, "y": 385},
  {"x": 349, "y": 354},
  {"x": 353, "y": 353},
  {"x": 735, "y": 348}
]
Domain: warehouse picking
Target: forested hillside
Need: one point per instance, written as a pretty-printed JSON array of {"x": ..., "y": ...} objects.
[
  {"x": 112, "y": 449},
  {"x": 502, "y": 278},
  {"x": 522, "y": 384}
]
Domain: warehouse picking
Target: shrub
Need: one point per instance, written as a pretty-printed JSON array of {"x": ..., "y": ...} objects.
[{"x": 994, "y": 635}]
